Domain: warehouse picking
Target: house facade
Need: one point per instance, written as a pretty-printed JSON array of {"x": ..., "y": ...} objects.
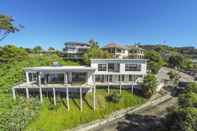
[
  {"x": 125, "y": 52},
  {"x": 75, "y": 50},
  {"x": 119, "y": 71}
]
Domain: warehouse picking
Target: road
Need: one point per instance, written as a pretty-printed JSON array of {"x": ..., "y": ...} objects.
[{"x": 152, "y": 110}]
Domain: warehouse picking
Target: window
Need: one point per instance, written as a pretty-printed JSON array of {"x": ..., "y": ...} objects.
[
  {"x": 112, "y": 67},
  {"x": 102, "y": 67},
  {"x": 100, "y": 78},
  {"x": 132, "y": 67}
]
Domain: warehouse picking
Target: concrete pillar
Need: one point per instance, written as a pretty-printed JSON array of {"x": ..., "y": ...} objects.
[
  {"x": 65, "y": 78},
  {"x": 67, "y": 99},
  {"x": 27, "y": 92},
  {"x": 54, "y": 96},
  {"x": 81, "y": 99},
  {"x": 120, "y": 88},
  {"x": 14, "y": 93},
  {"x": 94, "y": 101},
  {"x": 27, "y": 76},
  {"x": 108, "y": 85},
  {"x": 132, "y": 87},
  {"x": 40, "y": 88},
  {"x": 41, "y": 99}
]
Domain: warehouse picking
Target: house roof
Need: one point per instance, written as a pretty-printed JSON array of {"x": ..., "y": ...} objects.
[
  {"x": 60, "y": 68},
  {"x": 114, "y": 45}
]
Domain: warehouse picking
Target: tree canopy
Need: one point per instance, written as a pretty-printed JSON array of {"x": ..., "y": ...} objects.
[{"x": 7, "y": 26}]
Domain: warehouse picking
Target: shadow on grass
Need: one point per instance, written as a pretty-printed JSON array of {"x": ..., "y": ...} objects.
[
  {"x": 77, "y": 105},
  {"x": 84, "y": 99},
  {"x": 141, "y": 123}
]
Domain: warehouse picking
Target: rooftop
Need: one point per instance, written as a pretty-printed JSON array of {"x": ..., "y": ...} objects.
[{"x": 59, "y": 68}]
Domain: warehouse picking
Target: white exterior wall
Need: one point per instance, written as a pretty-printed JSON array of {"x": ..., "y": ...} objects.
[{"x": 122, "y": 62}]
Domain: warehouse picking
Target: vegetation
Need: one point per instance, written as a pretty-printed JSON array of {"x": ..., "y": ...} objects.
[
  {"x": 60, "y": 118},
  {"x": 6, "y": 26},
  {"x": 95, "y": 52},
  {"x": 149, "y": 85},
  {"x": 155, "y": 61},
  {"x": 114, "y": 97},
  {"x": 184, "y": 118},
  {"x": 174, "y": 76},
  {"x": 17, "y": 114}
]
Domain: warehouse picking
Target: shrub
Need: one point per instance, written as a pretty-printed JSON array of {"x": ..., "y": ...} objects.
[{"x": 115, "y": 98}]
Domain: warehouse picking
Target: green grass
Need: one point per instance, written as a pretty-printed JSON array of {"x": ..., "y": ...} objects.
[{"x": 59, "y": 118}]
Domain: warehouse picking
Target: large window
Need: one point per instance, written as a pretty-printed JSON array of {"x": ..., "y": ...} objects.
[
  {"x": 102, "y": 67},
  {"x": 112, "y": 67},
  {"x": 132, "y": 67}
]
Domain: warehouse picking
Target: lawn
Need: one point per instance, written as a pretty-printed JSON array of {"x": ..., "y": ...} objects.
[{"x": 59, "y": 118}]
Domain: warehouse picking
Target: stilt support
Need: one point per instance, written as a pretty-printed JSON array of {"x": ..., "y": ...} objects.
[
  {"x": 41, "y": 99},
  {"x": 67, "y": 99},
  {"x": 94, "y": 102},
  {"x": 27, "y": 92},
  {"x": 81, "y": 100},
  {"x": 14, "y": 93},
  {"x": 54, "y": 96}
]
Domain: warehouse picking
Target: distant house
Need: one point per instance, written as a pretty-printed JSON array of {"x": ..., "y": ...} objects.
[
  {"x": 117, "y": 51},
  {"x": 123, "y": 52},
  {"x": 75, "y": 50},
  {"x": 135, "y": 52}
]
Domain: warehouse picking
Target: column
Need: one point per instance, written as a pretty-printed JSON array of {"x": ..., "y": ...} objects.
[
  {"x": 54, "y": 96},
  {"x": 27, "y": 77},
  {"x": 14, "y": 93},
  {"x": 81, "y": 101},
  {"x": 120, "y": 88},
  {"x": 27, "y": 92},
  {"x": 67, "y": 99},
  {"x": 94, "y": 102},
  {"x": 108, "y": 85},
  {"x": 40, "y": 89},
  {"x": 65, "y": 78},
  {"x": 132, "y": 87}
]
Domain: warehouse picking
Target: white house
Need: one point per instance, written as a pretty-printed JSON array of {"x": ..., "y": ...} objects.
[{"x": 119, "y": 71}]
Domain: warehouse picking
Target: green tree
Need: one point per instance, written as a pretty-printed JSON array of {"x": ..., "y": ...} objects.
[
  {"x": 6, "y": 26},
  {"x": 155, "y": 61},
  {"x": 176, "y": 61},
  {"x": 37, "y": 49},
  {"x": 149, "y": 85},
  {"x": 10, "y": 53},
  {"x": 95, "y": 52},
  {"x": 174, "y": 76}
]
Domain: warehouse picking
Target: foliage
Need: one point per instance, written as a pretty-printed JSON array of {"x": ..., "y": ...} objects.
[
  {"x": 149, "y": 85},
  {"x": 182, "y": 120},
  {"x": 155, "y": 61},
  {"x": 16, "y": 115},
  {"x": 6, "y": 26},
  {"x": 37, "y": 49},
  {"x": 60, "y": 119},
  {"x": 95, "y": 52},
  {"x": 10, "y": 53},
  {"x": 174, "y": 76},
  {"x": 114, "y": 97}
]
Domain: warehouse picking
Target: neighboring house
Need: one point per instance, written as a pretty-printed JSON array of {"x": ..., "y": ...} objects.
[
  {"x": 124, "y": 52},
  {"x": 75, "y": 50},
  {"x": 116, "y": 50},
  {"x": 119, "y": 71},
  {"x": 135, "y": 52}
]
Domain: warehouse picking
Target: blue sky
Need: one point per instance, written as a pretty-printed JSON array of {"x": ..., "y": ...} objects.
[{"x": 53, "y": 22}]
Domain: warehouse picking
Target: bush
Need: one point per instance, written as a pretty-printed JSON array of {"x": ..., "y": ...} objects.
[{"x": 115, "y": 98}]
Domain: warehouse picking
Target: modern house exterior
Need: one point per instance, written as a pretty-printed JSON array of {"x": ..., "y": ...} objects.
[
  {"x": 75, "y": 50},
  {"x": 116, "y": 50},
  {"x": 119, "y": 71},
  {"x": 68, "y": 79},
  {"x": 125, "y": 52}
]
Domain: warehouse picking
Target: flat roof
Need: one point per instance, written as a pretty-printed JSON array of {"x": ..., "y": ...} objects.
[
  {"x": 60, "y": 68},
  {"x": 119, "y": 59}
]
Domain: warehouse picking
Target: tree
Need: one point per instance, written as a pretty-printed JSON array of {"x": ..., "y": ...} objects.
[
  {"x": 95, "y": 52},
  {"x": 51, "y": 49},
  {"x": 174, "y": 76},
  {"x": 10, "y": 53},
  {"x": 176, "y": 61},
  {"x": 37, "y": 49},
  {"x": 155, "y": 61},
  {"x": 6, "y": 26},
  {"x": 93, "y": 43},
  {"x": 149, "y": 85}
]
